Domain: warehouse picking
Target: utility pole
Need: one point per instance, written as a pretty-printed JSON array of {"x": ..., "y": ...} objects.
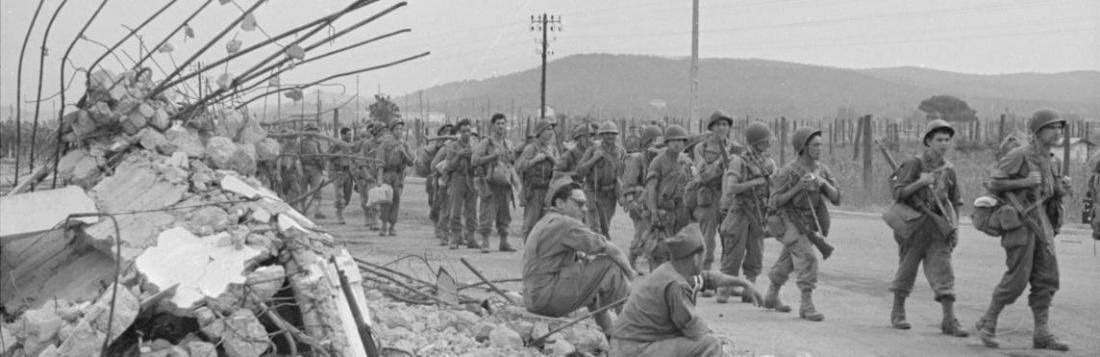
[
  {"x": 692, "y": 112},
  {"x": 544, "y": 23}
]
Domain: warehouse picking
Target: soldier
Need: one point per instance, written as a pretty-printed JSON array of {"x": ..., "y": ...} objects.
[
  {"x": 601, "y": 166},
  {"x": 369, "y": 173},
  {"x": 536, "y": 166},
  {"x": 427, "y": 154},
  {"x": 439, "y": 173},
  {"x": 494, "y": 157},
  {"x": 1025, "y": 177},
  {"x": 928, "y": 240},
  {"x": 288, "y": 170},
  {"x": 798, "y": 194},
  {"x": 460, "y": 187},
  {"x": 659, "y": 317},
  {"x": 313, "y": 169},
  {"x": 567, "y": 166},
  {"x": 744, "y": 204},
  {"x": 666, "y": 178},
  {"x": 1092, "y": 196},
  {"x": 342, "y": 173},
  {"x": 394, "y": 156},
  {"x": 633, "y": 139},
  {"x": 632, "y": 196},
  {"x": 711, "y": 159},
  {"x": 566, "y": 265}
]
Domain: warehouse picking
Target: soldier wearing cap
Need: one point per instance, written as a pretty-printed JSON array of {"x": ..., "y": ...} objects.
[
  {"x": 536, "y": 168},
  {"x": 659, "y": 318},
  {"x": 342, "y": 173},
  {"x": 394, "y": 156},
  {"x": 744, "y": 203},
  {"x": 712, "y": 156},
  {"x": 928, "y": 184},
  {"x": 439, "y": 173},
  {"x": 799, "y": 193},
  {"x": 602, "y": 165},
  {"x": 494, "y": 156},
  {"x": 566, "y": 265},
  {"x": 632, "y": 196},
  {"x": 567, "y": 166},
  {"x": 666, "y": 179},
  {"x": 313, "y": 169},
  {"x": 460, "y": 187},
  {"x": 1027, "y": 176}
]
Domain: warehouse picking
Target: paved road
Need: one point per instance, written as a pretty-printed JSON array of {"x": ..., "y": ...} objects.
[{"x": 852, "y": 290}]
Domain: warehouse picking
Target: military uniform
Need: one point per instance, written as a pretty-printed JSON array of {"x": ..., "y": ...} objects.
[
  {"x": 289, "y": 170},
  {"x": 659, "y": 318},
  {"x": 393, "y": 155},
  {"x": 668, "y": 175},
  {"x": 342, "y": 178},
  {"x": 799, "y": 216},
  {"x": 442, "y": 202},
  {"x": 536, "y": 179},
  {"x": 495, "y": 196},
  {"x": 313, "y": 170},
  {"x": 564, "y": 270},
  {"x": 602, "y": 181},
  {"x": 711, "y": 160},
  {"x": 742, "y": 228},
  {"x": 462, "y": 194},
  {"x": 367, "y": 177}
]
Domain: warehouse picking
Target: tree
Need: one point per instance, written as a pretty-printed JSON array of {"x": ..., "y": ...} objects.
[
  {"x": 948, "y": 108},
  {"x": 383, "y": 109}
]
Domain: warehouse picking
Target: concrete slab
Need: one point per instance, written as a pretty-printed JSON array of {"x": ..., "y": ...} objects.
[
  {"x": 38, "y": 211},
  {"x": 198, "y": 265}
]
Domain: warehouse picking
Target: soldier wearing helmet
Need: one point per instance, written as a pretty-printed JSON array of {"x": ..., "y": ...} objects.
[
  {"x": 632, "y": 193},
  {"x": 666, "y": 180},
  {"x": 928, "y": 185},
  {"x": 536, "y": 168},
  {"x": 313, "y": 169},
  {"x": 1026, "y": 176},
  {"x": 438, "y": 168},
  {"x": 602, "y": 165},
  {"x": 393, "y": 156},
  {"x": 567, "y": 166},
  {"x": 799, "y": 193},
  {"x": 711, "y": 159},
  {"x": 744, "y": 204}
]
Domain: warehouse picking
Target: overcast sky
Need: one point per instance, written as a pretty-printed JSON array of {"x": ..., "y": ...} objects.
[{"x": 484, "y": 38}]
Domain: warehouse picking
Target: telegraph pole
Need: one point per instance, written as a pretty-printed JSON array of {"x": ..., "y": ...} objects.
[
  {"x": 693, "y": 115},
  {"x": 544, "y": 23}
]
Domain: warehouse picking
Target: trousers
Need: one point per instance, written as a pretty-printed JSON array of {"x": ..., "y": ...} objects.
[
  {"x": 707, "y": 346},
  {"x": 708, "y": 219},
  {"x": 533, "y": 209},
  {"x": 1029, "y": 262},
  {"x": 743, "y": 246},
  {"x": 463, "y": 199},
  {"x": 389, "y": 210},
  {"x": 600, "y": 211},
  {"x": 929, "y": 247},
  {"x": 345, "y": 184},
  {"x": 798, "y": 256},
  {"x": 495, "y": 209}
]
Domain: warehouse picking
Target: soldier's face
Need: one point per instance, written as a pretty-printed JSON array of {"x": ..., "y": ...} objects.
[
  {"x": 608, "y": 138},
  {"x": 675, "y": 145},
  {"x": 464, "y": 132},
  {"x": 583, "y": 139},
  {"x": 940, "y": 142},
  {"x": 499, "y": 126},
  {"x": 546, "y": 136},
  {"x": 346, "y": 136},
  {"x": 813, "y": 148},
  {"x": 576, "y": 204},
  {"x": 763, "y": 145},
  {"x": 721, "y": 128},
  {"x": 1050, "y": 135},
  {"x": 398, "y": 130}
]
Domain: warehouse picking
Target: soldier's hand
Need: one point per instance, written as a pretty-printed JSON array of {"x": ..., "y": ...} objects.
[
  {"x": 926, "y": 178},
  {"x": 1033, "y": 178}
]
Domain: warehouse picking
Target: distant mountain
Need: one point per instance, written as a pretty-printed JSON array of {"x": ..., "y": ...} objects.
[{"x": 606, "y": 85}]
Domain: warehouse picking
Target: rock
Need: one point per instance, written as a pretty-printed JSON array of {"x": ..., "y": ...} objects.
[
  {"x": 102, "y": 114},
  {"x": 465, "y": 320},
  {"x": 211, "y": 216},
  {"x": 81, "y": 122},
  {"x": 267, "y": 149},
  {"x": 505, "y": 337},
  {"x": 126, "y": 308},
  {"x": 146, "y": 110},
  {"x": 201, "y": 349},
  {"x": 226, "y": 155},
  {"x": 161, "y": 120},
  {"x": 152, "y": 139},
  {"x": 241, "y": 334},
  {"x": 173, "y": 261},
  {"x": 559, "y": 348},
  {"x": 80, "y": 167},
  {"x": 83, "y": 341},
  {"x": 482, "y": 330},
  {"x": 37, "y": 329},
  {"x": 178, "y": 159},
  {"x": 133, "y": 123},
  {"x": 374, "y": 295},
  {"x": 265, "y": 281},
  {"x": 228, "y": 123},
  {"x": 187, "y": 140},
  {"x": 589, "y": 340},
  {"x": 525, "y": 329}
]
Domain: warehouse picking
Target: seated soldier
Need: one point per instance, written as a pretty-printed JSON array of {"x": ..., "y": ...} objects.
[
  {"x": 566, "y": 265},
  {"x": 659, "y": 318}
]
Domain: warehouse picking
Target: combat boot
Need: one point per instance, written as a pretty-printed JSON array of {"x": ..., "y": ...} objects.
[
  {"x": 318, "y": 215},
  {"x": 485, "y": 243},
  {"x": 366, "y": 218},
  {"x": 723, "y": 295},
  {"x": 771, "y": 300},
  {"x": 897, "y": 314},
  {"x": 471, "y": 242},
  {"x": 383, "y": 231},
  {"x": 950, "y": 325},
  {"x": 393, "y": 231},
  {"x": 504, "y": 246},
  {"x": 1044, "y": 339},
  {"x": 747, "y": 298},
  {"x": 455, "y": 239},
  {"x": 807, "y": 310},
  {"x": 340, "y": 215},
  {"x": 987, "y": 325}
]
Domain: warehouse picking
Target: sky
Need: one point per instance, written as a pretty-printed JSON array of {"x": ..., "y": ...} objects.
[{"x": 486, "y": 38}]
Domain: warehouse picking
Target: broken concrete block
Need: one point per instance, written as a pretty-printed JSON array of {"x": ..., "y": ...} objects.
[
  {"x": 234, "y": 184},
  {"x": 126, "y": 308},
  {"x": 81, "y": 167},
  {"x": 81, "y": 122},
  {"x": 587, "y": 339},
  {"x": 186, "y": 139},
  {"x": 265, "y": 281},
  {"x": 83, "y": 341},
  {"x": 146, "y": 110},
  {"x": 133, "y": 123},
  {"x": 505, "y": 337},
  {"x": 201, "y": 349},
  {"x": 482, "y": 330},
  {"x": 37, "y": 329},
  {"x": 210, "y": 216},
  {"x": 38, "y": 211},
  {"x": 220, "y": 151},
  {"x": 54, "y": 264},
  {"x": 152, "y": 139},
  {"x": 245, "y": 158},
  {"x": 228, "y": 123},
  {"x": 560, "y": 348},
  {"x": 178, "y": 159},
  {"x": 161, "y": 120},
  {"x": 102, "y": 114},
  {"x": 173, "y": 262},
  {"x": 241, "y": 334},
  {"x": 7, "y": 339},
  {"x": 267, "y": 149},
  {"x": 137, "y": 185},
  {"x": 252, "y": 133}
]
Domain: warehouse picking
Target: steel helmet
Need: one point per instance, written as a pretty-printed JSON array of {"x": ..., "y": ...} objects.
[
  {"x": 757, "y": 132},
  {"x": 675, "y": 132},
  {"x": 1043, "y": 118},
  {"x": 542, "y": 126},
  {"x": 934, "y": 125},
  {"x": 581, "y": 129},
  {"x": 802, "y": 136},
  {"x": 649, "y": 134},
  {"x": 718, "y": 116},
  {"x": 608, "y": 127}
]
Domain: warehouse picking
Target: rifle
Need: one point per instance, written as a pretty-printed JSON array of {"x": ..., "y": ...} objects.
[
  {"x": 814, "y": 237},
  {"x": 948, "y": 210}
]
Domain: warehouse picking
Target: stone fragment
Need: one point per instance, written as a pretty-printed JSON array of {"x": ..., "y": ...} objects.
[
  {"x": 226, "y": 155},
  {"x": 152, "y": 139},
  {"x": 102, "y": 114},
  {"x": 178, "y": 159},
  {"x": 173, "y": 262},
  {"x": 201, "y": 349},
  {"x": 559, "y": 348},
  {"x": 39, "y": 211},
  {"x": 482, "y": 330},
  {"x": 146, "y": 110},
  {"x": 161, "y": 120},
  {"x": 241, "y": 334},
  {"x": 505, "y": 337},
  {"x": 267, "y": 149},
  {"x": 587, "y": 339},
  {"x": 265, "y": 281},
  {"x": 186, "y": 139},
  {"x": 83, "y": 341},
  {"x": 210, "y": 216},
  {"x": 81, "y": 167},
  {"x": 37, "y": 329},
  {"x": 525, "y": 329},
  {"x": 81, "y": 122},
  {"x": 133, "y": 123}
]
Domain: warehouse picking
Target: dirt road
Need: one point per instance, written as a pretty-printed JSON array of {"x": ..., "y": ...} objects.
[{"x": 852, "y": 291}]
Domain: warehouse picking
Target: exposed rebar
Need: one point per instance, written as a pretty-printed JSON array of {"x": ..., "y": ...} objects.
[
  {"x": 19, "y": 93},
  {"x": 41, "y": 72},
  {"x": 61, "y": 112},
  {"x": 134, "y": 31}
]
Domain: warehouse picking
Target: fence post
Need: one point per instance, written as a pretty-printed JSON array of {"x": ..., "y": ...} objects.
[
  {"x": 867, "y": 173},
  {"x": 783, "y": 141},
  {"x": 1065, "y": 148},
  {"x": 831, "y": 139},
  {"x": 336, "y": 122},
  {"x": 857, "y": 138}
]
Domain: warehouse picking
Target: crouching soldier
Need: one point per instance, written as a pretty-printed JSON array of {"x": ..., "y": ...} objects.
[
  {"x": 659, "y": 317},
  {"x": 566, "y": 265},
  {"x": 928, "y": 185},
  {"x": 1028, "y": 176}
]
